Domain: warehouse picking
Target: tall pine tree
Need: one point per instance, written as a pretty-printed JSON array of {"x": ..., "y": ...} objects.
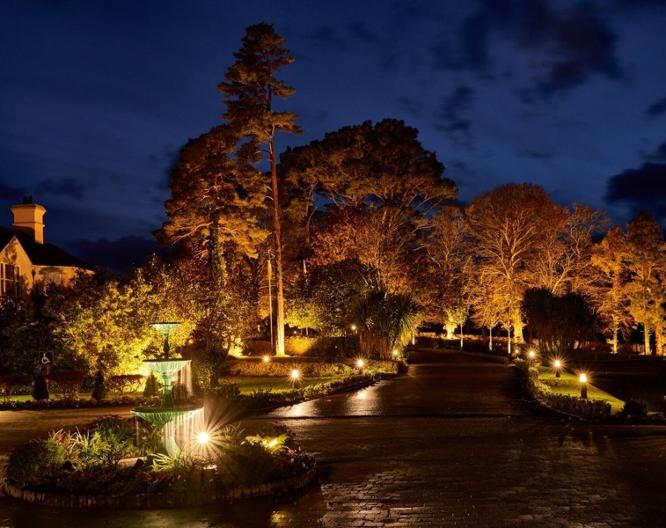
[{"x": 249, "y": 89}]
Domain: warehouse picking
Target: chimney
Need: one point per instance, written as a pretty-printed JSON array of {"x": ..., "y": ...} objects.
[{"x": 29, "y": 219}]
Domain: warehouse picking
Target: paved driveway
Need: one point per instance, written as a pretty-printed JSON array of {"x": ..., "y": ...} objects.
[{"x": 448, "y": 444}]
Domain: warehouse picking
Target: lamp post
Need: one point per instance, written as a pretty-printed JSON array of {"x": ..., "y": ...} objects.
[
  {"x": 583, "y": 385},
  {"x": 557, "y": 365}
]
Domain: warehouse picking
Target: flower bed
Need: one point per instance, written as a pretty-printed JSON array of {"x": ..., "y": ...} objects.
[
  {"x": 308, "y": 367},
  {"x": 70, "y": 403},
  {"x": 86, "y": 469},
  {"x": 262, "y": 400}
]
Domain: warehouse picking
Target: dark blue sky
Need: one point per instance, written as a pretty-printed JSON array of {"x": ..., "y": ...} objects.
[{"x": 96, "y": 97}]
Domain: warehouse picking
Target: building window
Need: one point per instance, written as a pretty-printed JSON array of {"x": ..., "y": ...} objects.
[
  {"x": 52, "y": 278},
  {"x": 9, "y": 279}
]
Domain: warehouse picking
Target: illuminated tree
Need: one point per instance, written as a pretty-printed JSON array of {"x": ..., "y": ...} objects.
[
  {"x": 105, "y": 321},
  {"x": 562, "y": 260},
  {"x": 508, "y": 228},
  {"x": 646, "y": 264},
  {"x": 250, "y": 88},
  {"x": 608, "y": 293},
  {"x": 382, "y": 188},
  {"x": 216, "y": 200},
  {"x": 453, "y": 268}
]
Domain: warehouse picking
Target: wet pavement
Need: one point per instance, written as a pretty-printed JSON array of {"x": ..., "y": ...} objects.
[{"x": 448, "y": 444}]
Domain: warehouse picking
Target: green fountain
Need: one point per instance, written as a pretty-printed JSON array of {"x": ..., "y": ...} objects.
[{"x": 178, "y": 423}]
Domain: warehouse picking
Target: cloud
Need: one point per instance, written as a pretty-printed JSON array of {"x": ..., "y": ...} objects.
[
  {"x": 116, "y": 254},
  {"x": 11, "y": 193},
  {"x": 658, "y": 155},
  {"x": 327, "y": 36},
  {"x": 451, "y": 120},
  {"x": 63, "y": 187},
  {"x": 642, "y": 189},
  {"x": 534, "y": 154},
  {"x": 569, "y": 44},
  {"x": 412, "y": 105},
  {"x": 657, "y": 108},
  {"x": 361, "y": 32}
]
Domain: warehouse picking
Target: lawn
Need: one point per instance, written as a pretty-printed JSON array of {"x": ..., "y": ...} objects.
[
  {"x": 569, "y": 385},
  {"x": 249, "y": 384}
]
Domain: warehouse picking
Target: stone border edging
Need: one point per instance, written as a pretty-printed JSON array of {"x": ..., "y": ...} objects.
[{"x": 169, "y": 499}]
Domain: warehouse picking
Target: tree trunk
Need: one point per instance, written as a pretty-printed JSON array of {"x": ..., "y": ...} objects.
[
  {"x": 508, "y": 333},
  {"x": 215, "y": 256},
  {"x": 518, "y": 327},
  {"x": 616, "y": 330},
  {"x": 277, "y": 240},
  {"x": 646, "y": 338},
  {"x": 659, "y": 338},
  {"x": 461, "y": 336},
  {"x": 490, "y": 343}
]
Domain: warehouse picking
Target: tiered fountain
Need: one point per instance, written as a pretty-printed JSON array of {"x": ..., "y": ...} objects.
[{"x": 180, "y": 423}]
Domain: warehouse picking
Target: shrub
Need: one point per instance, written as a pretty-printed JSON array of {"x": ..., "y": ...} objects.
[
  {"x": 99, "y": 388},
  {"x": 635, "y": 409},
  {"x": 282, "y": 367},
  {"x": 11, "y": 384},
  {"x": 40, "y": 388},
  {"x": 34, "y": 461},
  {"x": 300, "y": 345},
  {"x": 67, "y": 382},
  {"x": 126, "y": 383},
  {"x": 151, "y": 389}
]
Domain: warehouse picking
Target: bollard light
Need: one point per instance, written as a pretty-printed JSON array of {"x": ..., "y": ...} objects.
[
  {"x": 557, "y": 365},
  {"x": 531, "y": 354},
  {"x": 360, "y": 363},
  {"x": 582, "y": 377},
  {"x": 295, "y": 374},
  {"x": 266, "y": 358},
  {"x": 394, "y": 353}
]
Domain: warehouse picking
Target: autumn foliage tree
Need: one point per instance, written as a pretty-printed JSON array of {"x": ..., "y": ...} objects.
[
  {"x": 508, "y": 228},
  {"x": 217, "y": 197},
  {"x": 381, "y": 188}
]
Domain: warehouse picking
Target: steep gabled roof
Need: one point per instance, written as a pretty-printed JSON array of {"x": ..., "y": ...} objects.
[{"x": 41, "y": 254}]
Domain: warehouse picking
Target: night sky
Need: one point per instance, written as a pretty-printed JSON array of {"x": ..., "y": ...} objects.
[{"x": 96, "y": 98}]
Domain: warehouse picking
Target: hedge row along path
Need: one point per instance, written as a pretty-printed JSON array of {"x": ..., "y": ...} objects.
[{"x": 451, "y": 443}]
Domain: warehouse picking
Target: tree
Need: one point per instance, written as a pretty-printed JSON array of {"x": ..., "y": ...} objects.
[
  {"x": 453, "y": 268},
  {"x": 563, "y": 262},
  {"x": 508, "y": 228},
  {"x": 561, "y": 323},
  {"x": 217, "y": 197},
  {"x": 608, "y": 286},
  {"x": 382, "y": 189},
  {"x": 105, "y": 321},
  {"x": 646, "y": 264},
  {"x": 249, "y": 90}
]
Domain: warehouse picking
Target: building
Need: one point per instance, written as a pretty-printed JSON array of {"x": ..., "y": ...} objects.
[{"x": 26, "y": 260}]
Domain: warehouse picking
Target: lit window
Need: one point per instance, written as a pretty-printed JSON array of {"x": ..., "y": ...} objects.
[{"x": 9, "y": 279}]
